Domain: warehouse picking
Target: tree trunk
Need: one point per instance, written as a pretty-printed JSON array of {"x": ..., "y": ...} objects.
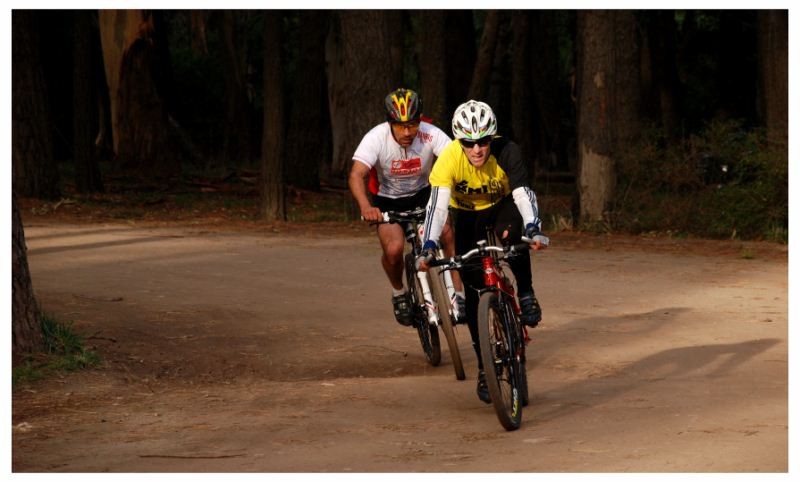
[
  {"x": 369, "y": 43},
  {"x": 35, "y": 173},
  {"x": 659, "y": 71},
  {"x": 460, "y": 52},
  {"x": 85, "y": 106},
  {"x": 432, "y": 64},
  {"x": 141, "y": 130},
  {"x": 25, "y": 314},
  {"x": 608, "y": 104},
  {"x": 773, "y": 49},
  {"x": 546, "y": 91},
  {"x": 308, "y": 140},
  {"x": 236, "y": 138},
  {"x": 479, "y": 87},
  {"x": 521, "y": 89},
  {"x": 273, "y": 205}
]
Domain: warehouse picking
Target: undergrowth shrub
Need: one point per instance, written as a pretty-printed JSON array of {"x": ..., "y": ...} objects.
[{"x": 725, "y": 182}]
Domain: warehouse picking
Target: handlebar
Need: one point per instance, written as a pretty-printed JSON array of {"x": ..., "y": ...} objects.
[
  {"x": 391, "y": 217},
  {"x": 544, "y": 240},
  {"x": 482, "y": 249}
]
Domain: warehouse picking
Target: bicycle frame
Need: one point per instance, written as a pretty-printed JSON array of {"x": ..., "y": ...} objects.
[{"x": 412, "y": 228}]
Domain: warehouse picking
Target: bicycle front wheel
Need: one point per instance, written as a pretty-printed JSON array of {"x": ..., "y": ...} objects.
[
  {"x": 501, "y": 362},
  {"x": 443, "y": 302},
  {"x": 428, "y": 333}
]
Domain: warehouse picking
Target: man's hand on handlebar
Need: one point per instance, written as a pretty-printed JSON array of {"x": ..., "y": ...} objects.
[
  {"x": 371, "y": 214},
  {"x": 535, "y": 237},
  {"x": 428, "y": 250}
]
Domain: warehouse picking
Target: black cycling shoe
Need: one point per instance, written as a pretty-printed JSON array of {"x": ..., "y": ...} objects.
[
  {"x": 402, "y": 310},
  {"x": 531, "y": 313},
  {"x": 482, "y": 389}
]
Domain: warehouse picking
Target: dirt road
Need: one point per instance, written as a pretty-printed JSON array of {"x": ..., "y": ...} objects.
[{"x": 232, "y": 352}]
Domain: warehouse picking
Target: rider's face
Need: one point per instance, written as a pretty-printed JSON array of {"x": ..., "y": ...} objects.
[
  {"x": 405, "y": 132},
  {"x": 476, "y": 153}
]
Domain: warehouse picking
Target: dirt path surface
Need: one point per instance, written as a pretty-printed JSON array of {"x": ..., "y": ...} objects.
[{"x": 243, "y": 352}]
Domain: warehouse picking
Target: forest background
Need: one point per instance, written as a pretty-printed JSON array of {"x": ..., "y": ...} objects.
[{"x": 636, "y": 121}]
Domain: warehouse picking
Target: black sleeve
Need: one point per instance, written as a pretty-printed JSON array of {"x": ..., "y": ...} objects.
[{"x": 509, "y": 157}]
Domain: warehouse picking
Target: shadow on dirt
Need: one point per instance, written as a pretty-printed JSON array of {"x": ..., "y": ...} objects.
[{"x": 704, "y": 362}]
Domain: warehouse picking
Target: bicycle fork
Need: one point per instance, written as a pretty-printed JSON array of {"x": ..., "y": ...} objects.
[
  {"x": 451, "y": 290},
  {"x": 430, "y": 305}
]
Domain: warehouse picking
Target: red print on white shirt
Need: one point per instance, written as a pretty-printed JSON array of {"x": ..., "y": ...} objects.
[{"x": 406, "y": 167}]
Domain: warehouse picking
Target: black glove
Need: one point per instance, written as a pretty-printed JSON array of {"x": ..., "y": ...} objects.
[{"x": 532, "y": 230}]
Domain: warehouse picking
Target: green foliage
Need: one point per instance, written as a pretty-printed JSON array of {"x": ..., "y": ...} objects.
[
  {"x": 725, "y": 182},
  {"x": 63, "y": 351}
]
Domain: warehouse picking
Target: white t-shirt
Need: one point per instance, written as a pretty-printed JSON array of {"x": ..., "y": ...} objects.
[{"x": 402, "y": 171}]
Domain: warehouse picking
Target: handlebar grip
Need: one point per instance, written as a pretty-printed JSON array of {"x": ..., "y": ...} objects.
[{"x": 544, "y": 240}]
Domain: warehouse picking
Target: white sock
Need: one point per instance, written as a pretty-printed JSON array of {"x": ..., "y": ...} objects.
[
  {"x": 461, "y": 294},
  {"x": 398, "y": 292}
]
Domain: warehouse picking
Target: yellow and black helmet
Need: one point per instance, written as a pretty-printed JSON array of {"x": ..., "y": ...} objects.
[{"x": 403, "y": 105}]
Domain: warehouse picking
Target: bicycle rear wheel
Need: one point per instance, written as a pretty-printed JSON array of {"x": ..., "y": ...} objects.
[
  {"x": 500, "y": 362},
  {"x": 428, "y": 333},
  {"x": 443, "y": 302}
]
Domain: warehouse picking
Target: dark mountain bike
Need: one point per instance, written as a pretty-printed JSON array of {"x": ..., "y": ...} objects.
[
  {"x": 503, "y": 338},
  {"x": 432, "y": 295}
]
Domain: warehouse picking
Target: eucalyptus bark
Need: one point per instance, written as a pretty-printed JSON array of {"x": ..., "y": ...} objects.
[
  {"x": 132, "y": 53},
  {"x": 273, "y": 204},
  {"x": 608, "y": 104}
]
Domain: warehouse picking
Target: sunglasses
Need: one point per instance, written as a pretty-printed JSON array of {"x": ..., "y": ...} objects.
[
  {"x": 407, "y": 125},
  {"x": 482, "y": 142}
]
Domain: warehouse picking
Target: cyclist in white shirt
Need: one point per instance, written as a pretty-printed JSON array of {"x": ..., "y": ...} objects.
[{"x": 400, "y": 152}]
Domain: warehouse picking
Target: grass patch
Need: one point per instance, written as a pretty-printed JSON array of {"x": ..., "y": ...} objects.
[{"x": 64, "y": 351}]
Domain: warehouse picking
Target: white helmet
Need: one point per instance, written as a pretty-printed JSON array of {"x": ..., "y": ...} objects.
[{"x": 474, "y": 120}]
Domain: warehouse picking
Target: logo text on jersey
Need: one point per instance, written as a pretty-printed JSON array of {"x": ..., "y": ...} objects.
[{"x": 406, "y": 167}]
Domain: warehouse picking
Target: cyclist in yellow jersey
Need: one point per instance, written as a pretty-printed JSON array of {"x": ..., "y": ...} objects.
[{"x": 484, "y": 181}]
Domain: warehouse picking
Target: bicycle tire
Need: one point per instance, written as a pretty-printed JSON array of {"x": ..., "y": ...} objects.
[
  {"x": 443, "y": 302},
  {"x": 499, "y": 362},
  {"x": 428, "y": 333}
]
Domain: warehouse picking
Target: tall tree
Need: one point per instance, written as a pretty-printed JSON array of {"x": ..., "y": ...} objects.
[
  {"x": 773, "y": 50},
  {"x": 35, "y": 173},
  {"x": 273, "y": 204},
  {"x": 308, "y": 139},
  {"x": 608, "y": 104},
  {"x": 521, "y": 88},
  {"x": 432, "y": 64},
  {"x": 659, "y": 71},
  {"x": 546, "y": 89},
  {"x": 236, "y": 138},
  {"x": 26, "y": 324},
  {"x": 133, "y": 53},
  {"x": 479, "y": 87},
  {"x": 85, "y": 106},
  {"x": 460, "y": 53},
  {"x": 359, "y": 37}
]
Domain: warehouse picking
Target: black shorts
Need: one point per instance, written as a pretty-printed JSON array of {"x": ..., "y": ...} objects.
[{"x": 408, "y": 203}]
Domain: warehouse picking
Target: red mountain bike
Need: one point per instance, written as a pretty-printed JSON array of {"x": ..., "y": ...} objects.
[{"x": 503, "y": 338}]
